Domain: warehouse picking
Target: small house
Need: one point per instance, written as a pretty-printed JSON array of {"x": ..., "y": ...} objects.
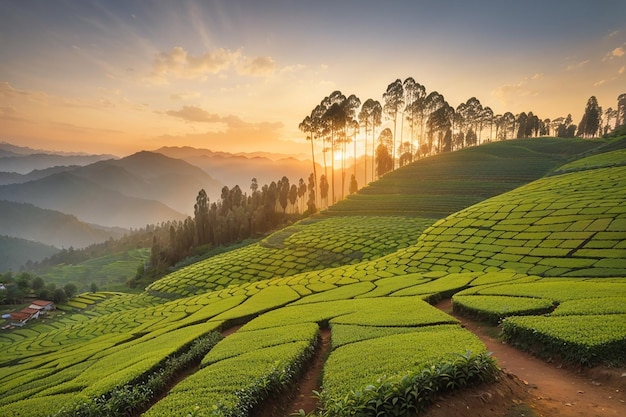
[
  {"x": 20, "y": 318},
  {"x": 42, "y": 305}
]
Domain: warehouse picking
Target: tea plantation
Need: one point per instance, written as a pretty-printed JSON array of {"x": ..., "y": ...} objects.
[{"x": 526, "y": 235}]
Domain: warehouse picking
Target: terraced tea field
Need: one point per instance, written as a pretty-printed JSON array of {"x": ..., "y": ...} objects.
[{"x": 546, "y": 259}]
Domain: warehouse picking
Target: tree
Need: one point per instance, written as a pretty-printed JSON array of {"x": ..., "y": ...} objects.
[
  {"x": 620, "y": 118},
  {"x": 591, "y": 120},
  {"x": 311, "y": 203},
  {"x": 414, "y": 95},
  {"x": 384, "y": 161},
  {"x": 314, "y": 126},
  {"x": 283, "y": 192},
  {"x": 293, "y": 196},
  {"x": 70, "y": 290},
  {"x": 394, "y": 103},
  {"x": 354, "y": 186},
  {"x": 324, "y": 189},
  {"x": 370, "y": 117},
  {"x": 335, "y": 118},
  {"x": 609, "y": 116},
  {"x": 201, "y": 216},
  {"x": 59, "y": 296},
  {"x": 302, "y": 192}
]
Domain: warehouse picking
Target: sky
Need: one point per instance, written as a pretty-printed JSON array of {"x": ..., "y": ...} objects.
[{"x": 119, "y": 76}]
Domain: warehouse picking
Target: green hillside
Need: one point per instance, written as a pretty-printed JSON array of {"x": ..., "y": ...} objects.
[{"x": 546, "y": 257}]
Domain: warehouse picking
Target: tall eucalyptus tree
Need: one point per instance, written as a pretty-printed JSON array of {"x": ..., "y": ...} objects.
[
  {"x": 394, "y": 104},
  {"x": 370, "y": 117},
  {"x": 335, "y": 119},
  {"x": 432, "y": 103},
  {"x": 590, "y": 122},
  {"x": 414, "y": 95},
  {"x": 508, "y": 124},
  {"x": 620, "y": 118}
]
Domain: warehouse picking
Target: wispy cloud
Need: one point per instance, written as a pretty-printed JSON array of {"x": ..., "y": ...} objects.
[
  {"x": 577, "y": 65},
  {"x": 179, "y": 63},
  {"x": 8, "y": 92},
  {"x": 618, "y": 52},
  {"x": 194, "y": 114},
  {"x": 259, "y": 66},
  {"x": 240, "y": 135},
  {"x": 522, "y": 88}
]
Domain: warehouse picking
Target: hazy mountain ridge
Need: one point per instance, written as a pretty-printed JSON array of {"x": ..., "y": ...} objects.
[
  {"x": 240, "y": 168},
  {"x": 89, "y": 201},
  {"x": 16, "y": 252},
  {"x": 23, "y": 160},
  {"x": 50, "y": 227}
]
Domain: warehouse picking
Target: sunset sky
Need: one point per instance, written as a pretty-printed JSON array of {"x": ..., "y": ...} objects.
[{"x": 118, "y": 76}]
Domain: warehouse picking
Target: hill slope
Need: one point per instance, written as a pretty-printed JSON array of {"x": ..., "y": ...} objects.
[
  {"x": 386, "y": 340},
  {"x": 15, "y": 252},
  {"x": 50, "y": 227},
  {"x": 88, "y": 201}
]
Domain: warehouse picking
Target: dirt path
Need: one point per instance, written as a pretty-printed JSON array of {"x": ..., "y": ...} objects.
[
  {"x": 303, "y": 399},
  {"x": 553, "y": 389}
]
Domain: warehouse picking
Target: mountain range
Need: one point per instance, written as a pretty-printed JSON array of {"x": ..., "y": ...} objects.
[
  {"x": 239, "y": 169},
  {"x": 62, "y": 199}
]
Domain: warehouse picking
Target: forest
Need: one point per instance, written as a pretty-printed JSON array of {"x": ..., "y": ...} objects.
[{"x": 424, "y": 123}]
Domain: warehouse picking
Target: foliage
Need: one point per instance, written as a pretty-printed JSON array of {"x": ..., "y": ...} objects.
[
  {"x": 410, "y": 393},
  {"x": 494, "y": 308},
  {"x": 570, "y": 338}
]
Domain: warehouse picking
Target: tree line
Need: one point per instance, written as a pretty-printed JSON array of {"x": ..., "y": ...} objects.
[
  {"x": 424, "y": 123},
  {"x": 235, "y": 217},
  {"x": 24, "y": 284}
]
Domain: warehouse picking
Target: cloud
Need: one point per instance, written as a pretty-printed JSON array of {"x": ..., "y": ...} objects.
[
  {"x": 194, "y": 114},
  {"x": 618, "y": 52},
  {"x": 8, "y": 113},
  {"x": 622, "y": 70},
  {"x": 577, "y": 65},
  {"x": 184, "y": 96},
  {"x": 259, "y": 66},
  {"x": 599, "y": 83},
  {"x": 241, "y": 136},
  {"x": 179, "y": 63},
  {"x": 519, "y": 89},
  {"x": 197, "y": 114},
  {"x": 8, "y": 92}
]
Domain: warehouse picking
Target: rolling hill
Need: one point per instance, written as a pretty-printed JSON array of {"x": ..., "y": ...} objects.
[{"x": 545, "y": 253}]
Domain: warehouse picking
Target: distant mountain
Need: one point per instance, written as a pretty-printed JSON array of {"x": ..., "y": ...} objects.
[
  {"x": 15, "y": 178},
  {"x": 22, "y": 159},
  {"x": 153, "y": 176},
  {"x": 15, "y": 252},
  {"x": 90, "y": 202},
  {"x": 23, "y": 164},
  {"x": 50, "y": 227},
  {"x": 239, "y": 169}
]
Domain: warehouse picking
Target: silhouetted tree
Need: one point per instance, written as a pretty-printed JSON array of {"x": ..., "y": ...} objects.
[
  {"x": 201, "y": 216},
  {"x": 620, "y": 118},
  {"x": 590, "y": 123},
  {"x": 312, "y": 198},
  {"x": 394, "y": 103},
  {"x": 354, "y": 186},
  {"x": 370, "y": 118}
]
